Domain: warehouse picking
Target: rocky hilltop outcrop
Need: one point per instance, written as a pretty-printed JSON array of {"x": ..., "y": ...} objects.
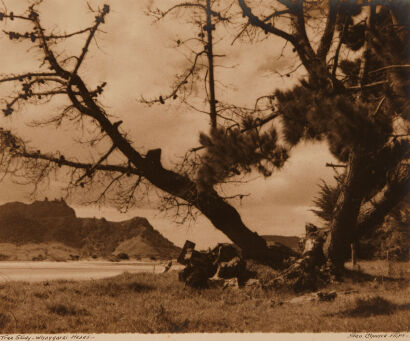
[{"x": 55, "y": 222}]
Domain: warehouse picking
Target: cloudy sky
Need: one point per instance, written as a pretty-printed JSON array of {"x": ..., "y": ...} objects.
[{"x": 137, "y": 57}]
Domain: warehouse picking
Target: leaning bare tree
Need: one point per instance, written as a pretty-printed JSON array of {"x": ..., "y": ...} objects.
[
  {"x": 61, "y": 76},
  {"x": 353, "y": 100}
]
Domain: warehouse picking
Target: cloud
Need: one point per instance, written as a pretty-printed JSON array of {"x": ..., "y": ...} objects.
[
  {"x": 281, "y": 203},
  {"x": 272, "y": 65}
]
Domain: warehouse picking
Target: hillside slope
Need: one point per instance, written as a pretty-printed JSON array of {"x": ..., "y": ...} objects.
[
  {"x": 56, "y": 222},
  {"x": 289, "y": 241}
]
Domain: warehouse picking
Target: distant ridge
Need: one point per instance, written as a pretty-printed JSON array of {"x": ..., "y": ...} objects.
[
  {"x": 38, "y": 209},
  {"x": 54, "y": 221},
  {"x": 291, "y": 242}
]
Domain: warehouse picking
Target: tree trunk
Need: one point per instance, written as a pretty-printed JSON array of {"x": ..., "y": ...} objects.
[
  {"x": 347, "y": 210},
  {"x": 396, "y": 191},
  {"x": 221, "y": 214},
  {"x": 353, "y": 247}
]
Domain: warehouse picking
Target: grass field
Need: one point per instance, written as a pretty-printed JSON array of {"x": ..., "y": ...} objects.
[{"x": 149, "y": 303}]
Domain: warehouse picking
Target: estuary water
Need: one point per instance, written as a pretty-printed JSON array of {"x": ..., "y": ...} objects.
[{"x": 76, "y": 270}]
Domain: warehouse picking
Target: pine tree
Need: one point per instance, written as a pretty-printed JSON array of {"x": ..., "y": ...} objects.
[{"x": 353, "y": 104}]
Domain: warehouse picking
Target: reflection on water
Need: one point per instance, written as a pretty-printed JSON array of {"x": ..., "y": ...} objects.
[{"x": 83, "y": 270}]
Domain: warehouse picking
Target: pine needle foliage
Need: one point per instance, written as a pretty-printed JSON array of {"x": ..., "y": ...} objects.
[
  {"x": 325, "y": 202},
  {"x": 230, "y": 152}
]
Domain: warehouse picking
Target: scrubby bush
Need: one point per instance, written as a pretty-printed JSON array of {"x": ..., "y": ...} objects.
[{"x": 123, "y": 256}]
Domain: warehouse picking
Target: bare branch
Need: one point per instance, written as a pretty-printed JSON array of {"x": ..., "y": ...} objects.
[
  {"x": 298, "y": 39},
  {"x": 98, "y": 20},
  {"x": 239, "y": 196},
  {"x": 91, "y": 170},
  {"x": 276, "y": 14},
  {"x": 245, "y": 27},
  {"x": 379, "y": 105},
  {"x": 27, "y": 76},
  {"x": 259, "y": 123},
  {"x": 112, "y": 182},
  {"x": 404, "y": 66},
  {"x": 68, "y": 35},
  {"x": 336, "y": 56},
  {"x": 209, "y": 52},
  {"x": 327, "y": 37},
  {"x": 126, "y": 197},
  {"x": 62, "y": 161},
  {"x": 180, "y": 84},
  {"x": 12, "y": 16},
  {"x": 255, "y": 21},
  {"x": 195, "y": 5},
  {"x": 334, "y": 165},
  {"x": 366, "y": 86},
  {"x": 371, "y": 11}
]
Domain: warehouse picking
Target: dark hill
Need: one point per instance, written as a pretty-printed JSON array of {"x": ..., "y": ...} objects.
[
  {"x": 38, "y": 209},
  {"x": 55, "y": 221}
]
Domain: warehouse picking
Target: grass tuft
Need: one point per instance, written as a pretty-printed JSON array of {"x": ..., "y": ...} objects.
[
  {"x": 41, "y": 295},
  {"x": 66, "y": 309},
  {"x": 138, "y": 287},
  {"x": 370, "y": 306},
  {"x": 4, "y": 320},
  {"x": 113, "y": 289}
]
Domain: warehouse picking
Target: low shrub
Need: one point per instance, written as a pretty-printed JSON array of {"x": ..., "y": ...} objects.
[{"x": 123, "y": 256}]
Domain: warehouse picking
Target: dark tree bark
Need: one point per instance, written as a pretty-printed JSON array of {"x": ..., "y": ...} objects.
[
  {"x": 345, "y": 225},
  {"x": 222, "y": 215},
  {"x": 346, "y": 211},
  {"x": 397, "y": 190}
]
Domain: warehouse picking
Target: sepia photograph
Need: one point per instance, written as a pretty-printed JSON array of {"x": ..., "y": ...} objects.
[{"x": 204, "y": 168}]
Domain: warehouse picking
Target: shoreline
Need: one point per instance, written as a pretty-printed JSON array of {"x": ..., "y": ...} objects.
[{"x": 37, "y": 271}]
